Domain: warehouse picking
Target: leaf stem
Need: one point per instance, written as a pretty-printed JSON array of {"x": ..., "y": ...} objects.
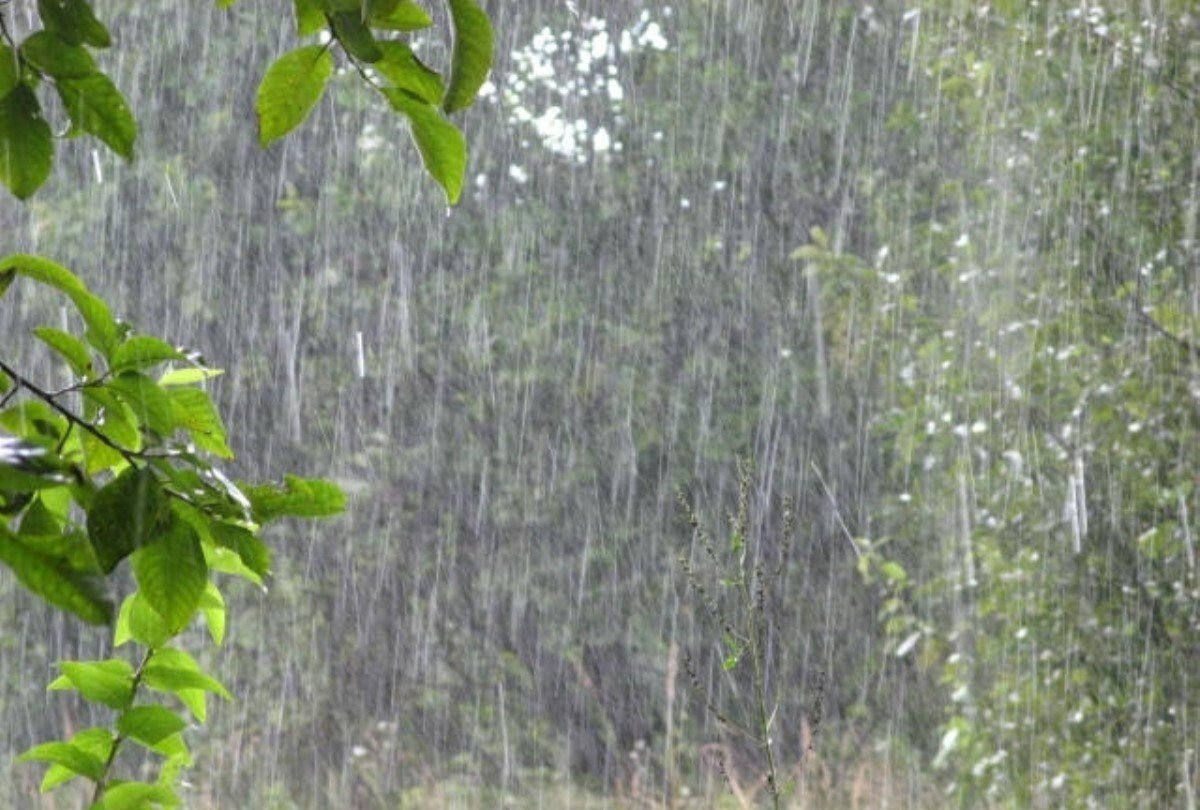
[{"x": 98, "y": 794}]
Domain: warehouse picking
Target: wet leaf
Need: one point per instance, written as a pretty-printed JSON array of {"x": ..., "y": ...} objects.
[
  {"x": 397, "y": 15},
  {"x": 442, "y": 146},
  {"x": 10, "y": 73},
  {"x": 149, "y": 725},
  {"x": 97, "y": 107},
  {"x": 74, "y": 21},
  {"x": 68, "y": 756},
  {"x": 355, "y": 36},
  {"x": 138, "y": 796},
  {"x": 108, "y": 682},
  {"x": 26, "y": 148},
  {"x": 142, "y": 351},
  {"x": 56, "y": 581},
  {"x": 405, "y": 71},
  {"x": 310, "y": 18},
  {"x": 56, "y": 57},
  {"x": 292, "y": 86},
  {"x": 194, "y": 411},
  {"x": 171, "y": 574},
  {"x": 298, "y": 497},
  {"x": 69, "y": 347},
  {"x": 472, "y": 55},
  {"x": 102, "y": 328}
]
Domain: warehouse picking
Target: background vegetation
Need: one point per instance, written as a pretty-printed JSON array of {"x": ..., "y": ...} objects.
[{"x": 932, "y": 266}]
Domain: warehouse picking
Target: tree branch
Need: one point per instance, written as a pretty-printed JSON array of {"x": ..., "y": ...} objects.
[{"x": 131, "y": 456}]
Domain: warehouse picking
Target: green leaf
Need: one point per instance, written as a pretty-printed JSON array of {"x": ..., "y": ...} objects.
[
  {"x": 102, "y": 329},
  {"x": 55, "y": 581},
  {"x": 151, "y": 405},
  {"x": 253, "y": 553},
  {"x": 138, "y": 796},
  {"x": 108, "y": 682},
  {"x": 122, "y": 634},
  {"x": 195, "y": 412},
  {"x": 26, "y": 148},
  {"x": 188, "y": 376},
  {"x": 171, "y": 670},
  {"x": 149, "y": 725},
  {"x": 309, "y": 17},
  {"x": 212, "y": 605},
  {"x": 298, "y": 497},
  {"x": 124, "y": 516},
  {"x": 97, "y": 742},
  {"x": 69, "y": 347},
  {"x": 397, "y": 15},
  {"x": 68, "y": 547},
  {"x": 405, "y": 71},
  {"x": 10, "y": 76},
  {"x": 894, "y": 572},
  {"x": 171, "y": 574},
  {"x": 38, "y": 520},
  {"x": 97, "y": 107},
  {"x": 56, "y": 57},
  {"x": 175, "y": 749},
  {"x": 196, "y": 701},
  {"x": 142, "y": 351},
  {"x": 138, "y": 621},
  {"x": 68, "y": 756},
  {"x": 472, "y": 56},
  {"x": 355, "y": 36},
  {"x": 225, "y": 561},
  {"x": 74, "y": 21},
  {"x": 292, "y": 86},
  {"x": 442, "y": 146}
]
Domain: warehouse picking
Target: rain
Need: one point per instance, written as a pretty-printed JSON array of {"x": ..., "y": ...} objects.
[{"x": 800, "y": 409}]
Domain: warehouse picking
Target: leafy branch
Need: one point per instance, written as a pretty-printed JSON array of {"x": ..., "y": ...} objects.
[
  {"x": 132, "y": 478},
  {"x": 59, "y": 55}
]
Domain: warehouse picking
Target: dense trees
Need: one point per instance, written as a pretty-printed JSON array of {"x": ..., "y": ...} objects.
[{"x": 930, "y": 267}]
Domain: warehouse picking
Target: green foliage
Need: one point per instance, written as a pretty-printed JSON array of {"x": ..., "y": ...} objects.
[
  {"x": 736, "y": 595},
  {"x": 291, "y": 87},
  {"x": 1034, "y": 553},
  {"x": 114, "y": 466},
  {"x": 58, "y": 56}
]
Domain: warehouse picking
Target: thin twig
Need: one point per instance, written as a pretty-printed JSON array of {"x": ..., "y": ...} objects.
[
  {"x": 1179, "y": 341},
  {"x": 131, "y": 456}
]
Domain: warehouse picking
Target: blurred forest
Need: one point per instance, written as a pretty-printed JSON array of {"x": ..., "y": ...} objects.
[{"x": 930, "y": 268}]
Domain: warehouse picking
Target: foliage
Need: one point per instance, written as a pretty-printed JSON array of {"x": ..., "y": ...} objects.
[
  {"x": 737, "y": 596},
  {"x": 114, "y": 466},
  {"x": 118, "y": 464},
  {"x": 60, "y": 55},
  {"x": 1034, "y": 549}
]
